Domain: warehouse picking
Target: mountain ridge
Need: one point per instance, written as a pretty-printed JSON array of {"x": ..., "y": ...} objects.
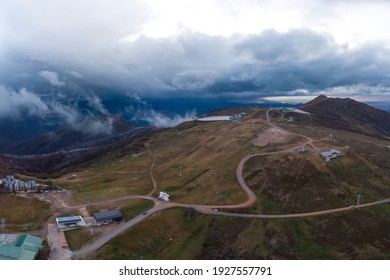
[
  {"x": 91, "y": 133},
  {"x": 350, "y": 115}
]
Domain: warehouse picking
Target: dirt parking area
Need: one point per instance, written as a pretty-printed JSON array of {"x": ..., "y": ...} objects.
[{"x": 272, "y": 135}]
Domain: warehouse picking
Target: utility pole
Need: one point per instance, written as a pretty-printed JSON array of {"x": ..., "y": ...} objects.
[
  {"x": 3, "y": 221},
  {"x": 359, "y": 198},
  {"x": 180, "y": 170}
]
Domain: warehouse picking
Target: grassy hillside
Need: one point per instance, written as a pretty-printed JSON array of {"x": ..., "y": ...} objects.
[
  {"x": 208, "y": 154},
  {"x": 291, "y": 183},
  {"x": 353, "y": 235},
  {"x": 23, "y": 214}
]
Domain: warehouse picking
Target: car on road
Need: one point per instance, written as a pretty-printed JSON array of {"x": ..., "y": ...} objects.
[
  {"x": 352, "y": 206},
  {"x": 144, "y": 213}
]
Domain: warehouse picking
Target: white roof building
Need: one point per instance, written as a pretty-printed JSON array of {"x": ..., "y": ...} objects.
[
  {"x": 70, "y": 222},
  {"x": 164, "y": 196},
  {"x": 330, "y": 154},
  {"x": 215, "y": 118}
]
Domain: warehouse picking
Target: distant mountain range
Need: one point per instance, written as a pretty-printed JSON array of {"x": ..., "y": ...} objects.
[
  {"x": 36, "y": 136},
  {"x": 89, "y": 134}
]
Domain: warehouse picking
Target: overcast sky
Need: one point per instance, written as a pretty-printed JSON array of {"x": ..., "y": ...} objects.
[{"x": 241, "y": 50}]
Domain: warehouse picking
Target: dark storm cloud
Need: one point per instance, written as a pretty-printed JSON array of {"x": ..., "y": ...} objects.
[
  {"x": 266, "y": 64},
  {"x": 280, "y": 63},
  {"x": 194, "y": 64},
  {"x": 298, "y": 44},
  {"x": 188, "y": 62}
]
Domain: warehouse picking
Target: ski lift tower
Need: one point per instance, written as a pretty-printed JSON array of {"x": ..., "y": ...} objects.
[
  {"x": 180, "y": 170},
  {"x": 359, "y": 198}
]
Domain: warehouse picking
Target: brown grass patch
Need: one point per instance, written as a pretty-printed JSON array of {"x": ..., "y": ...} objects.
[{"x": 271, "y": 135}]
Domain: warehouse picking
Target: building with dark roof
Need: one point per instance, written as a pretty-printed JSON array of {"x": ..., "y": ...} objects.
[{"x": 108, "y": 216}]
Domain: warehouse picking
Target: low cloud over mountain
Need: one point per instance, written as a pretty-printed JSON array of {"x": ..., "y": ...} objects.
[{"x": 14, "y": 104}]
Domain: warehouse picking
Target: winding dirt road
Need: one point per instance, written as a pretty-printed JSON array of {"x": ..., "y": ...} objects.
[
  {"x": 209, "y": 209},
  {"x": 154, "y": 183}
]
